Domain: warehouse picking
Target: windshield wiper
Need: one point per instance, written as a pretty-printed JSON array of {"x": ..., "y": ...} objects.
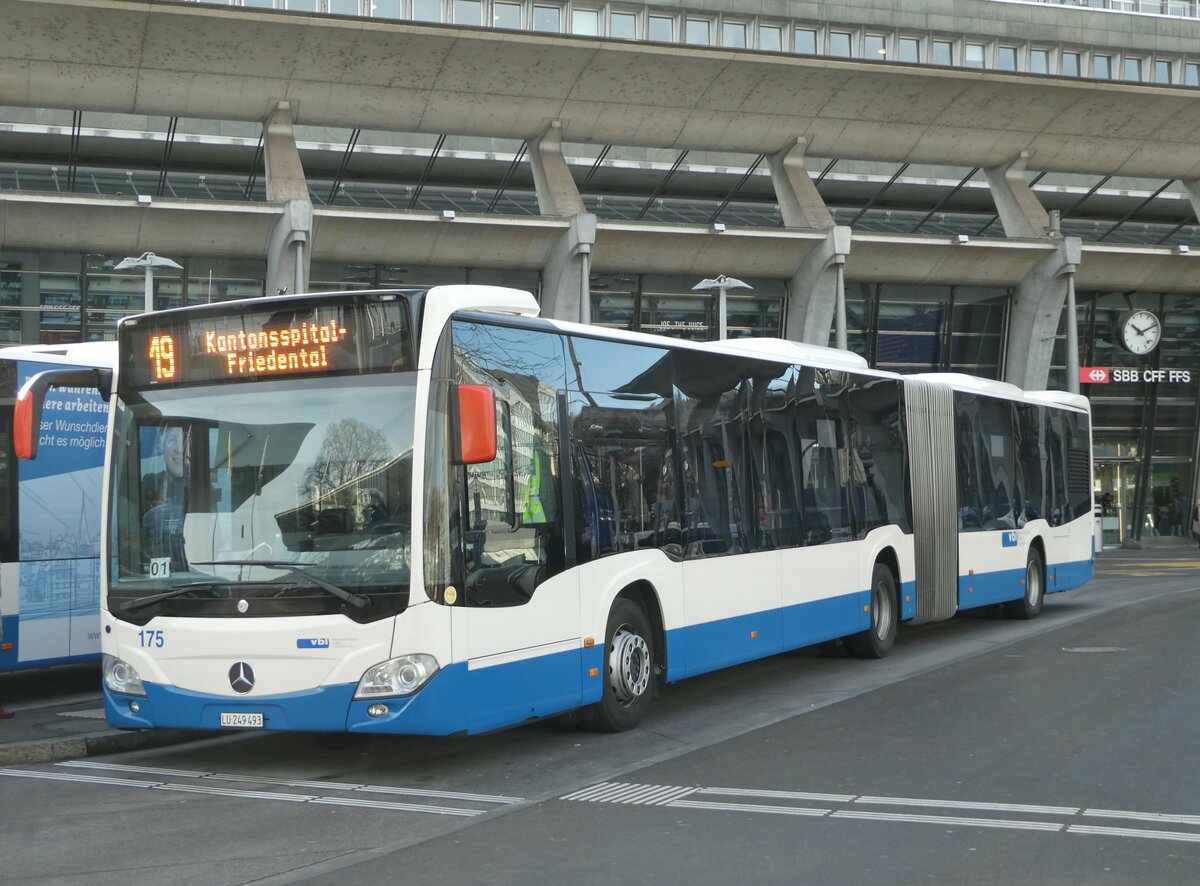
[
  {"x": 356, "y": 600},
  {"x": 151, "y": 599}
]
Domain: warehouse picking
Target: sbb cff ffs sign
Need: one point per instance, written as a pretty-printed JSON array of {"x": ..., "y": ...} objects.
[{"x": 1099, "y": 375}]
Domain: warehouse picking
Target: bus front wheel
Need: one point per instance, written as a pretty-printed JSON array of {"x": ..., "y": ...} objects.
[
  {"x": 877, "y": 640},
  {"x": 1030, "y": 603},
  {"x": 628, "y": 669}
]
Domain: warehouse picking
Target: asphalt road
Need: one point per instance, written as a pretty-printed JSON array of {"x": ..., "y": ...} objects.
[{"x": 982, "y": 751}]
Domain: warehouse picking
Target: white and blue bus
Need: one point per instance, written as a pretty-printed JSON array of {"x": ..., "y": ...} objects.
[
  {"x": 50, "y": 514},
  {"x": 432, "y": 512}
]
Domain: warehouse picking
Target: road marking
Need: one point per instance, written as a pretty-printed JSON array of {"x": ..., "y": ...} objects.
[
  {"x": 950, "y": 820},
  {"x": 97, "y": 714},
  {"x": 294, "y": 783},
  {"x": 204, "y": 785},
  {"x": 965, "y": 804},
  {"x": 684, "y": 797}
]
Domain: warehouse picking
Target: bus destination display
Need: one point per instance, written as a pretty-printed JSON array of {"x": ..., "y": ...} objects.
[{"x": 207, "y": 348}]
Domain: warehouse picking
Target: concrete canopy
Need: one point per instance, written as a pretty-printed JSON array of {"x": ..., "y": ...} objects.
[{"x": 136, "y": 57}]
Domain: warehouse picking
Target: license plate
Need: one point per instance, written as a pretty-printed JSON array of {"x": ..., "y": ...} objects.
[{"x": 240, "y": 720}]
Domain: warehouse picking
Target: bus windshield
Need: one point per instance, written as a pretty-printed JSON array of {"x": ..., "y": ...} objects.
[{"x": 252, "y": 499}]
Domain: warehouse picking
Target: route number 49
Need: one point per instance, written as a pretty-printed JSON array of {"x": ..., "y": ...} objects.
[{"x": 151, "y": 639}]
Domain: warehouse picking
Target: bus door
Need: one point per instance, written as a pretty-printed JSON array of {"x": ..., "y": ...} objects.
[{"x": 518, "y": 618}]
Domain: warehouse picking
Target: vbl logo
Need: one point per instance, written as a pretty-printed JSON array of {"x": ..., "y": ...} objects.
[{"x": 313, "y": 643}]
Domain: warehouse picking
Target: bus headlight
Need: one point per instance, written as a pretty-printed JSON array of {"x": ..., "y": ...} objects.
[
  {"x": 397, "y": 676},
  {"x": 121, "y": 676}
]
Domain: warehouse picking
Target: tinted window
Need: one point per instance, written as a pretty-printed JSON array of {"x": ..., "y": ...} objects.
[
  {"x": 512, "y": 507},
  {"x": 819, "y": 401},
  {"x": 713, "y": 407},
  {"x": 1032, "y": 462},
  {"x": 986, "y": 459},
  {"x": 1079, "y": 465},
  {"x": 1056, "y": 486},
  {"x": 8, "y": 463},
  {"x": 878, "y": 468},
  {"x": 626, "y": 493}
]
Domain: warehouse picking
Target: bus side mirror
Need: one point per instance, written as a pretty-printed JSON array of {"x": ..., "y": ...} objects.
[
  {"x": 476, "y": 424},
  {"x": 27, "y": 414}
]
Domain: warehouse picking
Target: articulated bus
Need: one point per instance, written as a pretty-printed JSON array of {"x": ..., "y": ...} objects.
[
  {"x": 50, "y": 514},
  {"x": 432, "y": 512}
]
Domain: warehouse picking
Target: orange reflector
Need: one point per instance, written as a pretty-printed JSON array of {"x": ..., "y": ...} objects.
[
  {"x": 753, "y": 634},
  {"x": 589, "y": 642},
  {"x": 1022, "y": 581},
  {"x": 867, "y": 608},
  {"x": 4, "y": 647},
  {"x": 594, "y": 672},
  {"x": 970, "y": 572},
  {"x": 970, "y": 590},
  {"x": 908, "y": 599}
]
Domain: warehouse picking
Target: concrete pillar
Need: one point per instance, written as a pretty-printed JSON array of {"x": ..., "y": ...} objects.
[
  {"x": 814, "y": 294},
  {"x": 290, "y": 248},
  {"x": 799, "y": 202},
  {"x": 566, "y": 287},
  {"x": 1193, "y": 188},
  {"x": 566, "y": 291},
  {"x": 556, "y": 191},
  {"x": 1021, "y": 214},
  {"x": 1035, "y": 314}
]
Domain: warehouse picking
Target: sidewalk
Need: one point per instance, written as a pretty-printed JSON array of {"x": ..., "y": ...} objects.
[{"x": 60, "y": 714}]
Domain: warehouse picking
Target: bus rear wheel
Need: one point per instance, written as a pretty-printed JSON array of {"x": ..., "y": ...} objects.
[
  {"x": 628, "y": 669},
  {"x": 877, "y": 640},
  {"x": 1035, "y": 589}
]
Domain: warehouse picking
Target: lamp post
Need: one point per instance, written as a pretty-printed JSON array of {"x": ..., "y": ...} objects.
[
  {"x": 149, "y": 261},
  {"x": 722, "y": 285}
]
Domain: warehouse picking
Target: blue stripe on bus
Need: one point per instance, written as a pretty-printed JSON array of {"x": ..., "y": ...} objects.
[
  {"x": 459, "y": 699},
  {"x": 990, "y": 588},
  {"x": 1064, "y": 576}
]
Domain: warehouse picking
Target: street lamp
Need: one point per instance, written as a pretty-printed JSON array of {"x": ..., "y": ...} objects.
[
  {"x": 722, "y": 285},
  {"x": 149, "y": 261}
]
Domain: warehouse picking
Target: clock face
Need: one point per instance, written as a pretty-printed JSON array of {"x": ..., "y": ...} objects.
[{"x": 1140, "y": 332}]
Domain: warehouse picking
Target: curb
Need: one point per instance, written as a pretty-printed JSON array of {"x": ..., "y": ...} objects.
[{"x": 54, "y": 749}]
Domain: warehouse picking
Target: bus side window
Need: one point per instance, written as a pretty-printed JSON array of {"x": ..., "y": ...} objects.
[
  {"x": 823, "y": 460},
  {"x": 1031, "y": 463},
  {"x": 8, "y": 463}
]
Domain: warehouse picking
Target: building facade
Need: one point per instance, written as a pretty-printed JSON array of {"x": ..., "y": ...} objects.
[{"x": 957, "y": 173}]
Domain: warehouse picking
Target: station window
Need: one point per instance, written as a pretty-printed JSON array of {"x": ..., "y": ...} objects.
[
  {"x": 427, "y": 10},
  {"x": 806, "y": 41},
  {"x": 259, "y": 4},
  {"x": 1039, "y": 61},
  {"x": 547, "y": 18},
  {"x": 345, "y": 7},
  {"x": 733, "y": 34},
  {"x": 839, "y": 44},
  {"x": 1133, "y": 69},
  {"x": 468, "y": 12},
  {"x": 1102, "y": 67},
  {"x": 302, "y": 5},
  {"x": 386, "y": 8},
  {"x": 1162, "y": 71},
  {"x": 622, "y": 25},
  {"x": 973, "y": 55},
  {"x": 875, "y": 46},
  {"x": 770, "y": 38},
  {"x": 1070, "y": 64},
  {"x": 585, "y": 22},
  {"x": 909, "y": 49},
  {"x": 698, "y": 32},
  {"x": 1006, "y": 58},
  {"x": 661, "y": 28},
  {"x": 943, "y": 52},
  {"x": 1191, "y": 74},
  {"x": 506, "y": 15}
]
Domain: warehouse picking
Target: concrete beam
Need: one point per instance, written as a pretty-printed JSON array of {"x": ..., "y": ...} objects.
[
  {"x": 1193, "y": 190},
  {"x": 1034, "y": 316},
  {"x": 800, "y": 203},
  {"x": 124, "y": 56},
  {"x": 1020, "y": 211},
  {"x": 289, "y": 253},
  {"x": 552, "y": 181},
  {"x": 813, "y": 290}
]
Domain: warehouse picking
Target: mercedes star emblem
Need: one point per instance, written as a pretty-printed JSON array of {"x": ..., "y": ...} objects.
[
  {"x": 242, "y": 606},
  {"x": 241, "y": 677}
]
